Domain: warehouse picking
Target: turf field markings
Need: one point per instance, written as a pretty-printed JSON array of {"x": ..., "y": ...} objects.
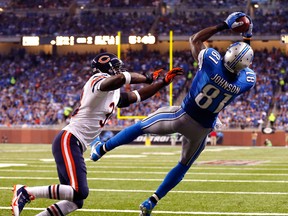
[
  {"x": 11, "y": 165},
  {"x": 149, "y": 172},
  {"x": 25, "y": 150},
  {"x": 155, "y": 180},
  {"x": 212, "y": 149},
  {"x": 254, "y": 168},
  {"x": 179, "y": 191},
  {"x": 164, "y": 212},
  {"x": 193, "y": 192},
  {"x": 159, "y": 153}
]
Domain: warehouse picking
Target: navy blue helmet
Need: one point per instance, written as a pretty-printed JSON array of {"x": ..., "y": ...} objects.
[{"x": 107, "y": 63}]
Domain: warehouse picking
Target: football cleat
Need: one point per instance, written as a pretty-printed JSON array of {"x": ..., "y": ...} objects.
[
  {"x": 20, "y": 198},
  {"x": 146, "y": 208},
  {"x": 95, "y": 151}
]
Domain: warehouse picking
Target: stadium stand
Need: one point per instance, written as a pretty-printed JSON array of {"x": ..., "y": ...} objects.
[{"x": 39, "y": 89}]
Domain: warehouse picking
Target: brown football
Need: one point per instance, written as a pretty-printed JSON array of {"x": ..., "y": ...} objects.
[{"x": 244, "y": 27}]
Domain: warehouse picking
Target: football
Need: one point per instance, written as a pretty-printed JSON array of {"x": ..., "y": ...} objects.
[{"x": 244, "y": 27}]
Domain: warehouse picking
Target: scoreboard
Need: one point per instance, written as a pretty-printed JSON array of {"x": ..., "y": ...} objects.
[{"x": 88, "y": 40}]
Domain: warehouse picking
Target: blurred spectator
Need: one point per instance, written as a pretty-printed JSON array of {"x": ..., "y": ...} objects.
[
  {"x": 268, "y": 143},
  {"x": 213, "y": 138},
  {"x": 272, "y": 119},
  {"x": 254, "y": 136}
]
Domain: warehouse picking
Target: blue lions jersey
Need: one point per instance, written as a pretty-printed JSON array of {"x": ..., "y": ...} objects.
[{"x": 214, "y": 87}]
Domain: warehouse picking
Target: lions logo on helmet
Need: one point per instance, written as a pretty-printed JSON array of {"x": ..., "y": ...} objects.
[
  {"x": 107, "y": 63},
  {"x": 238, "y": 56}
]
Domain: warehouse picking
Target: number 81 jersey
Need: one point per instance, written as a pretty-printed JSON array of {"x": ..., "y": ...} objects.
[{"x": 214, "y": 87}]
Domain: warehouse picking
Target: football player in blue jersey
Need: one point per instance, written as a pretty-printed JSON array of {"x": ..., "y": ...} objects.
[{"x": 219, "y": 80}]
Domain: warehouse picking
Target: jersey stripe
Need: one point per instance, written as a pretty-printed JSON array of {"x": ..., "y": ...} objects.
[
  {"x": 95, "y": 81},
  {"x": 58, "y": 209},
  {"x": 54, "y": 210},
  {"x": 53, "y": 189},
  {"x": 68, "y": 159},
  {"x": 161, "y": 116}
]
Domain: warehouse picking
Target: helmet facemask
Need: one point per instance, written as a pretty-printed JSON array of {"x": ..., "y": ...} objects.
[
  {"x": 116, "y": 67},
  {"x": 237, "y": 57}
]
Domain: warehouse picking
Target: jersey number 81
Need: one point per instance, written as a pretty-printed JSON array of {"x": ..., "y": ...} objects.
[{"x": 205, "y": 98}]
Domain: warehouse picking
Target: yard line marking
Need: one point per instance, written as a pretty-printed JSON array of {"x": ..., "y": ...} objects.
[
  {"x": 108, "y": 156},
  {"x": 11, "y": 164},
  {"x": 165, "y": 212},
  {"x": 160, "y": 173},
  {"x": 145, "y": 179},
  {"x": 194, "y": 192},
  {"x": 214, "y": 167},
  {"x": 177, "y": 191}
]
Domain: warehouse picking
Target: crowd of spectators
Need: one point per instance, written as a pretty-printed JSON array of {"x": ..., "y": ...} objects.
[
  {"x": 187, "y": 22},
  {"x": 37, "y": 90},
  {"x": 183, "y": 19}
]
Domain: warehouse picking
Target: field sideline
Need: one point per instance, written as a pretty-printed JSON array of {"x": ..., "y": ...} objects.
[{"x": 240, "y": 181}]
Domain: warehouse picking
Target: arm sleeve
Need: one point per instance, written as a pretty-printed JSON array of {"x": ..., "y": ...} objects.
[{"x": 124, "y": 100}]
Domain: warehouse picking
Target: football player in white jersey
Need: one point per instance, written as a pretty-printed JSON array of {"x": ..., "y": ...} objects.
[{"x": 100, "y": 96}]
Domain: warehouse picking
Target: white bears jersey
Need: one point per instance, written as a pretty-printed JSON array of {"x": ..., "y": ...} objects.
[{"x": 95, "y": 109}]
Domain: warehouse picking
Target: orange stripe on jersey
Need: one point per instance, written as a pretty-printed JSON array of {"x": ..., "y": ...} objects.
[
  {"x": 63, "y": 152},
  {"x": 75, "y": 186},
  {"x": 68, "y": 159},
  {"x": 53, "y": 190},
  {"x": 96, "y": 79},
  {"x": 54, "y": 210}
]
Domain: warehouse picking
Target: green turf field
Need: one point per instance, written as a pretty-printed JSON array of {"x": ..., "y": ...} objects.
[{"x": 223, "y": 181}]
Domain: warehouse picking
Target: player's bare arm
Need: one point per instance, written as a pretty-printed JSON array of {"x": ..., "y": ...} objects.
[
  {"x": 197, "y": 40},
  {"x": 117, "y": 81},
  {"x": 142, "y": 94}
]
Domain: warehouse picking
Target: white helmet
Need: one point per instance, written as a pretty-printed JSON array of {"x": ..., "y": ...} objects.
[{"x": 238, "y": 56}]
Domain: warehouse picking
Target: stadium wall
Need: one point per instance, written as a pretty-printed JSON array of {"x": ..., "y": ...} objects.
[{"x": 230, "y": 138}]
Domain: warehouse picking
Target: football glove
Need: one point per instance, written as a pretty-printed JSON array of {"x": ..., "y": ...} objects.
[
  {"x": 153, "y": 76},
  {"x": 248, "y": 34},
  {"x": 172, "y": 73},
  {"x": 231, "y": 20}
]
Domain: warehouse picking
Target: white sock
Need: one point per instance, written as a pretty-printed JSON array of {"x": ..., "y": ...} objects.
[
  {"x": 58, "y": 191},
  {"x": 63, "y": 207}
]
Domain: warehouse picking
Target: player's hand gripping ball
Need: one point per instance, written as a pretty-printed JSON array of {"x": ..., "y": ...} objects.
[{"x": 244, "y": 27}]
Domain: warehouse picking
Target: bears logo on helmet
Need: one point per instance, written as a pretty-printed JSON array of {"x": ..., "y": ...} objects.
[{"x": 107, "y": 63}]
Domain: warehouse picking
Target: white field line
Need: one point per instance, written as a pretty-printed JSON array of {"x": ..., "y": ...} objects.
[
  {"x": 183, "y": 192},
  {"x": 124, "y": 159},
  {"x": 154, "y": 173},
  {"x": 166, "y": 212},
  {"x": 154, "y": 180},
  {"x": 214, "y": 167}
]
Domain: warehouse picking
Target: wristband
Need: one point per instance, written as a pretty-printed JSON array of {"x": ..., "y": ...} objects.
[
  {"x": 137, "y": 95},
  {"x": 222, "y": 26},
  {"x": 149, "y": 78},
  {"x": 156, "y": 197},
  {"x": 127, "y": 76}
]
